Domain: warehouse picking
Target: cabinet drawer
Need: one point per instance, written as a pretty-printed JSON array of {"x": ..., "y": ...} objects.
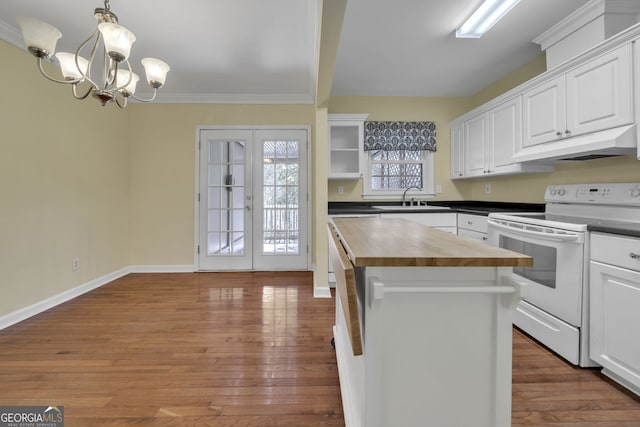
[
  {"x": 472, "y": 235},
  {"x": 473, "y": 222},
  {"x": 616, "y": 250}
]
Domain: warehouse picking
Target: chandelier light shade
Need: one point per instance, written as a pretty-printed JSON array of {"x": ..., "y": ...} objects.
[
  {"x": 68, "y": 66},
  {"x": 117, "y": 40},
  {"x": 39, "y": 37},
  {"x": 156, "y": 71},
  {"x": 127, "y": 81},
  {"x": 108, "y": 48}
]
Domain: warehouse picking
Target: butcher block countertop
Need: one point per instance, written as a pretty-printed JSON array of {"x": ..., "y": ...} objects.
[{"x": 402, "y": 243}]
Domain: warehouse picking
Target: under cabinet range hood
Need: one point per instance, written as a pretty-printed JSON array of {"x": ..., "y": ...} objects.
[{"x": 620, "y": 141}]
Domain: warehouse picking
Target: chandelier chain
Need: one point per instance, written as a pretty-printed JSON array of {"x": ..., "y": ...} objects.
[{"x": 106, "y": 5}]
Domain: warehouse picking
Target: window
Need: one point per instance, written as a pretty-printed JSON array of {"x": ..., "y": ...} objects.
[
  {"x": 389, "y": 173},
  {"x": 399, "y": 155}
]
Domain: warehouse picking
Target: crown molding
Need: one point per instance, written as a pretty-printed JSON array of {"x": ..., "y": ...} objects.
[
  {"x": 193, "y": 98},
  {"x": 582, "y": 16},
  {"x": 11, "y": 34}
]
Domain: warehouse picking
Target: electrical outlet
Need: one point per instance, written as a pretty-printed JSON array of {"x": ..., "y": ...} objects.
[
  {"x": 487, "y": 188},
  {"x": 75, "y": 264},
  {"x": 340, "y": 189},
  {"x": 438, "y": 188}
]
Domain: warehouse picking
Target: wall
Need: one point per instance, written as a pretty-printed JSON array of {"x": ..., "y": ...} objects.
[
  {"x": 528, "y": 71},
  {"x": 163, "y": 160},
  {"x": 64, "y": 186},
  {"x": 439, "y": 110}
]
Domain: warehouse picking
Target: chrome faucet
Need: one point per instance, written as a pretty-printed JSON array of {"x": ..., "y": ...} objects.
[{"x": 404, "y": 195}]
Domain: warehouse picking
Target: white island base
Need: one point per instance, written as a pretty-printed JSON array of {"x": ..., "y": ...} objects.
[{"x": 436, "y": 348}]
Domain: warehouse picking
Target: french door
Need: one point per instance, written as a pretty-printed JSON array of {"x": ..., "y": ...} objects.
[{"x": 253, "y": 204}]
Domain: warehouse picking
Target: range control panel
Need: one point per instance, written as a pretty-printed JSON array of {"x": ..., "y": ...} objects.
[{"x": 626, "y": 194}]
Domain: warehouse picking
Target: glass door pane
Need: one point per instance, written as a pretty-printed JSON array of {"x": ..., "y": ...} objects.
[
  {"x": 280, "y": 186},
  {"x": 225, "y": 225},
  {"x": 225, "y": 200},
  {"x": 281, "y": 181}
]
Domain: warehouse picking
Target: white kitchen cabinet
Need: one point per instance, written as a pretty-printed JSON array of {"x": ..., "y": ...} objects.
[
  {"x": 476, "y": 139},
  {"x": 445, "y": 221},
  {"x": 636, "y": 85},
  {"x": 594, "y": 96},
  {"x": 457, "y": 151},
  {"x": 505, "y": 135},
  {"x": 544, "y": 111},
  {"x": 489, "y": 140},
  {"x": 614, "y": 286},
  {"x": 473, "y": 227},
  {"x": 346, "y": 145}
]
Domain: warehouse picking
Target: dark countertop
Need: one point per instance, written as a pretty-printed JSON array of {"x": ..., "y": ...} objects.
[
  {"x": 478, "y": 208},
  {"x": 470, "y": 207},
  {"x": 615, "y": 227}
]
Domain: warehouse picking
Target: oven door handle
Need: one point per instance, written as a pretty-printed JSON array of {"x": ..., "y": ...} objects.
[{"x": 568, "y": 237}]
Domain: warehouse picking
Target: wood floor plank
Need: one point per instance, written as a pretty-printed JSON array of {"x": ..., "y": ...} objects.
[{"x": 238, "y": 350}]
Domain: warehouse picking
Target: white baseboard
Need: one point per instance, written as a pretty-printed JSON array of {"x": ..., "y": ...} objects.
[
  {"x": 162, "y": 269},
  {"x": 39, "y": 307}
]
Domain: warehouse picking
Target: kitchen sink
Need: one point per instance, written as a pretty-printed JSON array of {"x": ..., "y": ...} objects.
[{"x": 409, "y": 208}]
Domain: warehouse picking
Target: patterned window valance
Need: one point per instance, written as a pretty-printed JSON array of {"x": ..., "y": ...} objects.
[{"x": 411, "y": 136}]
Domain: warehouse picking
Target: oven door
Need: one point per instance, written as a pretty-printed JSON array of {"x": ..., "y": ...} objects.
[{"x": 555, "y": 280}]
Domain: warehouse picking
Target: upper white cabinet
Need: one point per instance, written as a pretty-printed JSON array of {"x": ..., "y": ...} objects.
[
  {"x": 505, "y": 133},
  {"x": 636, "y": 79},
  {"x": 594, "y": 96},
  {"x": 457, "y": 151},
  {"x": 545, "y": 112},
  {"x": 476, "y": 140},
  {"x": 346, "y": 145},
  {"x": 488, "y": 142}
]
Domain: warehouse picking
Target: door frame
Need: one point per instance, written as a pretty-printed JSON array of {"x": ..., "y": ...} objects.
[{"x": 199, "y": 128}]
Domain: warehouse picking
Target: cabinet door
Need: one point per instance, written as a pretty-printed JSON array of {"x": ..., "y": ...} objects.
[
  {"x": 614, "y": 320},
  {"x": 505, "y": 134},
  {"x": 544, "y": 112},
  {"x": 476, "y": 134},
  {"x": 346, "y": 145},
  {"x": 457, "y": 151},
  {"x": 599, "y": 93}
]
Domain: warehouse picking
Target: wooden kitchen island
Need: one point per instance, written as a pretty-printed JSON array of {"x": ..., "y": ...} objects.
[{"x": 423, "y": 325}]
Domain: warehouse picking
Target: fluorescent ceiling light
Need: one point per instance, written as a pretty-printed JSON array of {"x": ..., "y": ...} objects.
[{"x": 485, "y": 17}]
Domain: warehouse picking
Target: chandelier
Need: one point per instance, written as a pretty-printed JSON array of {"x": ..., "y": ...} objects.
[{"x": 111, "y": 43}]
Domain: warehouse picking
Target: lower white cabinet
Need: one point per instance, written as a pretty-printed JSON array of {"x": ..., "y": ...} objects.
[
  {"x": 445, "y": 221},
  {"x": 473, "y": 227},
  {"x": 614, "y": 336}
]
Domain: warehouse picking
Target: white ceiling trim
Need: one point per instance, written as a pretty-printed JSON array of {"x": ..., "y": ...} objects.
[
  {"x": 11, "y": 35},
  {"x": 234, "y": 99}
]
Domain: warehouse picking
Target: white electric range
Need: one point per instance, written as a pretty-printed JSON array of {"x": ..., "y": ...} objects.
[{"x": 555, "y": 310}]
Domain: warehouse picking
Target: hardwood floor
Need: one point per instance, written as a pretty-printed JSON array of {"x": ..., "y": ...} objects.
[{"x": 241, "y": 350}]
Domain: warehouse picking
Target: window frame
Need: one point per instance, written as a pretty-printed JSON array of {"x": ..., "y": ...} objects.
[{"x": 428, "y": 179}]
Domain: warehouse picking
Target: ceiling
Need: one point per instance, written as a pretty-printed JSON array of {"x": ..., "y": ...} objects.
[{"x": 257, "y": 51}]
